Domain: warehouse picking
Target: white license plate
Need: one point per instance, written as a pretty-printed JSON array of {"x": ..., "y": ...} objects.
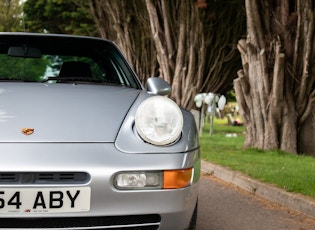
[{"x": 45, "y": 200}]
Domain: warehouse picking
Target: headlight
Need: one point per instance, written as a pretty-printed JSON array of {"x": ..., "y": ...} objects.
[{"x": 159, "y": 120}]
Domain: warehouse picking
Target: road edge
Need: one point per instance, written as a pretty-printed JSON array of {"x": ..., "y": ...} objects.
[{"x": 296, "y": 202}]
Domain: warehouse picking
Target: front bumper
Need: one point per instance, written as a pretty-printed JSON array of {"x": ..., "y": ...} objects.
[{"x": 109, "y": 208}]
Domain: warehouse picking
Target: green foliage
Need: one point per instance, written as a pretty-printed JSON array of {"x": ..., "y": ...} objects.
[
  {"x": 10, "y": 16},
  {"x": 230, "y": 95},
  {"x": 22, "y": 68},
  {"x": 37, "y": 69},
  {"x": 59, "y": 16},
  {"x": 294, "y": 173}
]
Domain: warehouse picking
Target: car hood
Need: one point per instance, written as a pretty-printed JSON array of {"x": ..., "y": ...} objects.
[{"x": 62, "y": 112}]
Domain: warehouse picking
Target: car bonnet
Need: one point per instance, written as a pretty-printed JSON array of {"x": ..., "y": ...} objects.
[{"x": 38, "y": 112}]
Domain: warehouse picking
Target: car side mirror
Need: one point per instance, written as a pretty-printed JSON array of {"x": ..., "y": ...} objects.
[{"x": 158, "y": 86}]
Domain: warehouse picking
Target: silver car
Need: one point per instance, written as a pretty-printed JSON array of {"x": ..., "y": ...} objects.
[{"x": 83, "y": 145}]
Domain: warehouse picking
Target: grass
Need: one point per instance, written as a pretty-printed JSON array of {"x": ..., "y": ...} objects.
[{"x": 290, "y": 172}]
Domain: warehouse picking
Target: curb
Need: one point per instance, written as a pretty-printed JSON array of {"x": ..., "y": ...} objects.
[{"x": 296, "y": 202}]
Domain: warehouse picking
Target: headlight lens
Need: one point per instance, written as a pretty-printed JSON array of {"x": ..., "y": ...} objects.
[
  {"x": 159, "y": 120},
  {"x": 139, "y": 180}
]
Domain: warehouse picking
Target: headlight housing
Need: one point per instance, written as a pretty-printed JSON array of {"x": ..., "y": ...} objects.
[
  {"x": 167, "y": 179},
  {"x": 159, "y": 120}
]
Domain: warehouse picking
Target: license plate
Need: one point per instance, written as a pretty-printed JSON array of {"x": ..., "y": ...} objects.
[{"x": 45, "y": 200}]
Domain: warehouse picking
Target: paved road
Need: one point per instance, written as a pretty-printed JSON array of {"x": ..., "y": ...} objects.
[{"x": 224, "y": 207}]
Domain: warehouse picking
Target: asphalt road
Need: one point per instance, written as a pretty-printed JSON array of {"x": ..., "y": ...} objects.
[{"x": 223, "y": 206}]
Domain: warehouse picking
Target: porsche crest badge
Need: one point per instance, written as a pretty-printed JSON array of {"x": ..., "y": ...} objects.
[{"x": 27, "y": 131}]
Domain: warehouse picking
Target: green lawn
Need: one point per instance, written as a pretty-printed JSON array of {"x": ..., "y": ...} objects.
[{"x": 293, "y": 173}]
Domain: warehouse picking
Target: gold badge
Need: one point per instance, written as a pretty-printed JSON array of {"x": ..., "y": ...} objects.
[{"x": 27, "y": 131}]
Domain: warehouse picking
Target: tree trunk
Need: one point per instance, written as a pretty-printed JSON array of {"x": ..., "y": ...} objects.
[
  {"x": 125, "y": 23},
  {"x": 191, "y": 48},
  {"x": 275, "y": 89}
]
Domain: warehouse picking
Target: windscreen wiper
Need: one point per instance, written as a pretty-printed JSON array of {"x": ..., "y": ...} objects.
[
  {"x": 72, "y": 79},
  {"x": 82, "y": 80},
  {"x": 10, "y": 79}
]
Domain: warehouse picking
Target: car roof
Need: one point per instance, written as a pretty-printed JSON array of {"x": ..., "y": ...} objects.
[
  {"x": 50, "y": 35},
  {"x": 50, "y": 42}
]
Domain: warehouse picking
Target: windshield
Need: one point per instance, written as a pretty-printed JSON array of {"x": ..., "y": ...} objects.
[{"x": 65, "y": 60}]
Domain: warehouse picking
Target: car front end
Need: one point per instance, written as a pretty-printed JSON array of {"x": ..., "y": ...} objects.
[{"x": 89, "y": 154}]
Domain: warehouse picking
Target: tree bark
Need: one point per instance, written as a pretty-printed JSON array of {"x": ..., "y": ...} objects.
[
  {"x": 125, "y": 22},
  {"x": 192, "y": 53},
  {"x": 277, "y": 96}
]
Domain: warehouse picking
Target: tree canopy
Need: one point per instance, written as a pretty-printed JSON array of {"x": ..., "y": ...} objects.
[
  {"x": 59, "y": 16},
  {"x": 11, "y": 17}
]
